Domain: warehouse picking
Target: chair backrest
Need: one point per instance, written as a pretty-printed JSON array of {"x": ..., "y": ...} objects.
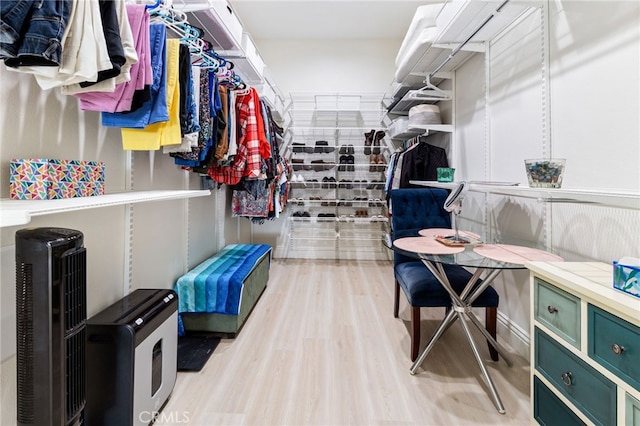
[{"x": 413, "y": 209}]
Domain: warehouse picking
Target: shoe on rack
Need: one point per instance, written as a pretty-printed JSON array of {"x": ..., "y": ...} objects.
[
  {"x": 376, "y": 141},
  {"x": 377, "y": 163},
  {"x": 345, "y": 184},
  {"x": 320, "y": 165},
  {"x": 297, "y": 164},
  {"x": 343, "y": 161},
  {"x": 350, "y": 163},
  {"x": 320, "y": 146},
  {"x": 343, "y": 149},
  {"x": 350, "y": 150},
  {"x": 368, "y": 140},
  {"x": 373, "y": 163},
  {"x": 375, "y": 184}
]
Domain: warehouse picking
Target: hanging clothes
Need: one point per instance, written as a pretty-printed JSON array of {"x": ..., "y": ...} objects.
[
  {"x": 248, "y": 161},
  {"x": 189, "y": 126},
  {"x": 166, "y": 132},
  {"x": 206, "y": 114},
  {"x": 84, "y": 50},
  {"x": 154, "y": 110},
  {"x": 251, "y": 200},
  {"x": 140, "y": 72},
  {"x": 218, "y": 125},
  {"x": 128, "y": 43},
  {"x": 232, "y": 126},
  {"x": 422, "y": 164},
  {"x": 222, "y": 147},
  {"x": 397, "y": 172},
  {"x": 31, "y": 32}
]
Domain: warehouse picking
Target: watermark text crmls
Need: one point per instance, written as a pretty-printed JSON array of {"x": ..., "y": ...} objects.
[{"x": 171, "y": 417}]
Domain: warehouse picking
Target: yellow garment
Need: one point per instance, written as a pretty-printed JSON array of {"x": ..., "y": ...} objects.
[{"x": 156, "y": 135}]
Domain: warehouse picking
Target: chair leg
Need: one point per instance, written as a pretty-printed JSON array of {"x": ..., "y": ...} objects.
[
  {"x": 396, "y": 300},
  {"x": 415, "y": 332},
  {"x": 491, "y": 326}
]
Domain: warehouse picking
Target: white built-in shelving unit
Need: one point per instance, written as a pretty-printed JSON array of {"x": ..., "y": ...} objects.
[
  {"x": 604, "y": 197},
  {"x": 345, "y": 217},
  {"x": 465, "y": 28}
]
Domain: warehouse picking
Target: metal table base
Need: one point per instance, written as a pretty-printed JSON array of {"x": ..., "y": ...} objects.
[{"x": 461, "y": 310}]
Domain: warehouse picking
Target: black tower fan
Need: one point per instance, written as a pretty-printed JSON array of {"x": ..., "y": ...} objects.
[{"x": 51, "y": 313}]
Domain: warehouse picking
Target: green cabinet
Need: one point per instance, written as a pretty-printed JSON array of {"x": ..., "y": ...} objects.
[
  {"x": 585, "y": 346},
  {"x": 632, "y": 411},
  {"x": 558, "y": 310},
  {"x": 590, "y": 391},
  {"x": 548, "y": 410},
  {"x": 615, "y": 344}
]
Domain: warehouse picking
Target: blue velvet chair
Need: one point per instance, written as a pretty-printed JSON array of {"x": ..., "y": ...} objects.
[{"x": 414, "y": 209}]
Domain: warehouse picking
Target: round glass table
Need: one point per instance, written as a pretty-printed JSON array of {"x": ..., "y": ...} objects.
[{"x": 487, "y": 261}]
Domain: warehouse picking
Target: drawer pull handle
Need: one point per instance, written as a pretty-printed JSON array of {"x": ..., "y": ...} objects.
[
  {"x": 552, "y": 309},
  {"x": 617, "y": 349},
  {"x": 567, "y": 378}
]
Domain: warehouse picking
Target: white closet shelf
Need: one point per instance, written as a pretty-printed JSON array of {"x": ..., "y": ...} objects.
[
  {"x": 20, "y": 212},
  {"x": 466, "y": 27},
  {"x": 611, "y": 198},
  {"x": 423, "y": 130},
  {"x": 467, "y": 14}
]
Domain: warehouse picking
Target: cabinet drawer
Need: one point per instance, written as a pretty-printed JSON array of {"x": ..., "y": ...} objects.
[
  {"x": 615, "y": 344},
  {"x": 590, "y": 391},
  {"x": 548, "y": 410},
  {"x": 632, "y": 411},
  {"x": 558, "y": 310}
]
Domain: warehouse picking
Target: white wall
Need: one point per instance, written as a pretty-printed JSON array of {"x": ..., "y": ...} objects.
[
  {"x": 164, "y": 237},
  {"x": 331, "y": 65},
  {"x": 580, "y": 103}
]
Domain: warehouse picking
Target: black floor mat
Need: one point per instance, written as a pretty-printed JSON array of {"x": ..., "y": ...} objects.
[{"x": 194, "y": 351}]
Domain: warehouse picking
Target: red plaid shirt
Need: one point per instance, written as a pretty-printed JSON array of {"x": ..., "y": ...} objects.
[{"x": 247, "y": 161}]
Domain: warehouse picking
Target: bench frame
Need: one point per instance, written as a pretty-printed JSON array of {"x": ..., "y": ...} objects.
[{"x": 253, "y": 286}]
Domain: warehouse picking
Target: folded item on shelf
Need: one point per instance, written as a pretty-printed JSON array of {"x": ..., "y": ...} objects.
[
  {"x": 416, "y": 53},
  {"x": 398, "y": 126},
  {"x": 425, "y": 17}
]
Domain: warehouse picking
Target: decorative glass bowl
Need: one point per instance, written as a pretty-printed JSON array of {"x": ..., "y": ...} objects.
[{"x": 543, "y": 173}]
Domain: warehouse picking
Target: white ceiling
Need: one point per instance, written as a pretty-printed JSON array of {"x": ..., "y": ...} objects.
[{"x": 326, "y": 20}]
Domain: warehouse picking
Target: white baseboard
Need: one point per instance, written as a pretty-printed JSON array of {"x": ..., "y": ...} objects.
[{"x": 514, "y": 335}]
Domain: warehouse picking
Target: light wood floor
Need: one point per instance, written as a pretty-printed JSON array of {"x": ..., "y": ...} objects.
[{"x": 322, "y": 347}]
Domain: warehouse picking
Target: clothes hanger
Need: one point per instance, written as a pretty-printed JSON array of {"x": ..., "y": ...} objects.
[{"x": 153, "y": 6}]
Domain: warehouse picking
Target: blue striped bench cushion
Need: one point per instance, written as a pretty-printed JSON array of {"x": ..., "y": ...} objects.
[{"x": 215, "y": 286}]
